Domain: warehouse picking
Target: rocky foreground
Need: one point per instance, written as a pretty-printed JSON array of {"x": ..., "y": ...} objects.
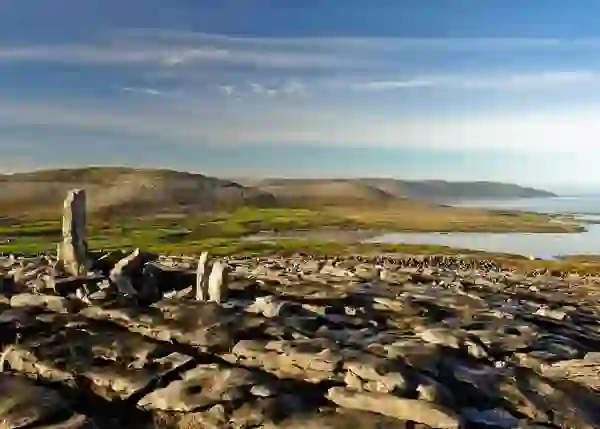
[{"x": 335, "y": 343}]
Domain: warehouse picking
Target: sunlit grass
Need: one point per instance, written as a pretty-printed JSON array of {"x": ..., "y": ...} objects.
[{"x": 223, "y": 233}]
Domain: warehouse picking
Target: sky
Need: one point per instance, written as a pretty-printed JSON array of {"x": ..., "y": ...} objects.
[{"x": 505, "y": 90}]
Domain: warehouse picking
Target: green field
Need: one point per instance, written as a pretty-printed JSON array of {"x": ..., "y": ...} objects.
[{"x": 222, "y": 234}]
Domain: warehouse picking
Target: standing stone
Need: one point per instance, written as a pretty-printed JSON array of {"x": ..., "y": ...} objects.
[
  {"x": 218, "y": 282},
  {"x": 73, "y": 249},
  {"x": 202, "y": 274},
  {"x": 119, "y": 275}
]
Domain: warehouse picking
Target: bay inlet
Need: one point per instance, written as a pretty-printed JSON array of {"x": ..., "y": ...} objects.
[
  {"x": 583, "y": 210},
  {"x": 540, "y": 245}
]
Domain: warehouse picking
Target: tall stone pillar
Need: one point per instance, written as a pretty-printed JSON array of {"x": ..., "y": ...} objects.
[
  {"x": 73, "y": 251},
  {"x": 202, "y": 274}
]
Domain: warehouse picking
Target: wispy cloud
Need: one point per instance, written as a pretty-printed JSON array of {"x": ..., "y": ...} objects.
[
  {"x": 217, "y": 89},
  {"x": 319, "y": 123},
  {"x": 394, "y": 84},
  {"x": 292, "y": 88},
  {"x": 172, "y": 49},
  {"x": 174, "y": 55},
  {"x": 147, "y": 91},
  {"x": 377, "y": 43},
  {"x": 381, "y": 63},
  {"x": 487, "y": 81}
]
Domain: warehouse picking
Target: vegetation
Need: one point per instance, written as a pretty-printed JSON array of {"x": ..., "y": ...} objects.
[
  {"x": 226, "y": 231},
  {"x": 120, "y": 190},
  {"x": 184, "y": 213},
  {"x": 393, "y": 188}
]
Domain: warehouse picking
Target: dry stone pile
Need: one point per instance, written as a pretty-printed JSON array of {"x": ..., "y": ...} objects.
[{"x": 148, "y": 341}]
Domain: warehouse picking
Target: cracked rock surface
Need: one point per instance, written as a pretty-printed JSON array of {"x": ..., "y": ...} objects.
[{"x": 298, "y": 342}]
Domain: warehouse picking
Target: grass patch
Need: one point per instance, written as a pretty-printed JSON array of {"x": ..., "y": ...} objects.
[
  {"x": 222, "y": 233},
  {"x": 170, "y": 231}
]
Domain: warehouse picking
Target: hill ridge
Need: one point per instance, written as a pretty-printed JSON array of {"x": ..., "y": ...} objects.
[{"x": 139, "y": 191}]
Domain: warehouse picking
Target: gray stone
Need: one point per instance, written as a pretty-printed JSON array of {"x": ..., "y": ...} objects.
[
  {"x": 73, "y": 250},
  {"x": 202, "y": 275},
  {"x": 218, "y": 282},
  {"x": 119, "y": 275},
  {"x": 268, "y": 306},
  {"x": 202, "y": 386},
  {"x": 46, "y": 302},
  {"x": 206, "y": 326},
  {"x": 584, "y": 371},
  {"x": 309, "y": 360},
  {"x": 116, "y": 364},
  {"x": 430, "y": 414},
  {"x": 377, "y": 375}
]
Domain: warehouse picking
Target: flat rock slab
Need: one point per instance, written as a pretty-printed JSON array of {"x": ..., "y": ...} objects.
[
  {"x": 367, "y": 372},
  {"x": 312, "y": 290},
  {"x": 206, "y": 326},
  {"x": 200, "y": 387},
  {"x": 22, "y": 404},
  {"x": 308, "y": 360},
  {"x": 52, "y": 303},
  {"x": 584, "y": 371},
  {"x": 341, "y": 418},
  {"x": 116, "y": 363},
  {"x": 413, "y": 410}
]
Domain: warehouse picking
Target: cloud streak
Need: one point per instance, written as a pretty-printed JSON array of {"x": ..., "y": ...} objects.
[
  {"x": 370, "y": 43},
  {"x": 172, "y": 49},
  {"x": 222, "y": 90},
  {"x": 150, "y": 52},
  {"x": 489, "y": 81},
  {"x": 243, "y": 123},
  {"x": 327, "y": 62},
  {"x": 147, "y": 91}
]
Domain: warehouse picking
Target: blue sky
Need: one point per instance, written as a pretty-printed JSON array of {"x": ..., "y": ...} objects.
[{"x": 448, "y": 89}]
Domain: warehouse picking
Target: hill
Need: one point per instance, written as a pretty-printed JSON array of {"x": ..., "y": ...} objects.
[
  {"x": 440, "y": 189},
  {"x": 325, "y": 192},
  {"x": 126, "y": 191},
  {"x": 386, "y": 191}
]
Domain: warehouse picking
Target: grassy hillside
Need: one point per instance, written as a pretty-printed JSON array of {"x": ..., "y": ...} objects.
[
  {"x": 316, "y": 193},
  {"x": 182, "y": 212},
  {"x": 129, "y": 192},
  {"x": 124, "y": 191},
  {"x": 386, "y": 191},
  {"x": 439, "y": 189}
]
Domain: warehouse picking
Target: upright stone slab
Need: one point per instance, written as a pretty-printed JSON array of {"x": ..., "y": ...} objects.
[
  {"x": 120, "y": 274},
  {"x": 202, "y": 274},
  {"x": 73, "y": 252},
  {"x": 218, "y": 282}
]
